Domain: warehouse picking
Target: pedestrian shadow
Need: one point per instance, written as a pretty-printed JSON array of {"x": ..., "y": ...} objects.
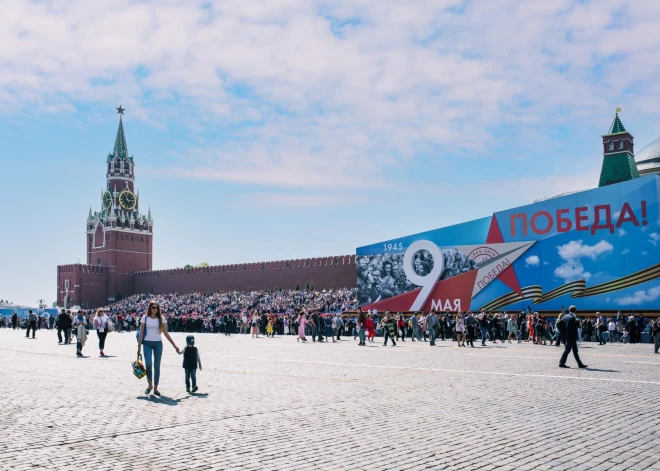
[
  {"x": 203, "y": 395},
  {"x": 108, "y": 356},
  {"x": 600, "y": 370},
  {"x": 167, "y": 401}
]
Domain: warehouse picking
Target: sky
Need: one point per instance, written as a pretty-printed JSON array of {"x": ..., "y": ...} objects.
[{"x": 283, "y": 129}]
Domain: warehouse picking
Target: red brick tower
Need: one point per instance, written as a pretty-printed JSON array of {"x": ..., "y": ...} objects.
[{"x": 119, "y": 237}]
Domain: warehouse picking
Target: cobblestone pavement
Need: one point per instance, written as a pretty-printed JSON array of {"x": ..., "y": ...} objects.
[{"x": 274, "y": 404}]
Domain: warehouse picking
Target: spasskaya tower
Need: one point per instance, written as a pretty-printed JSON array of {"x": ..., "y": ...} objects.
[{"x": 119, "y": 237}]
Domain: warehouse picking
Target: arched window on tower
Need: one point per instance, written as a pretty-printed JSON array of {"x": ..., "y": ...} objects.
[
  {"x": 620, "y": 143},
  {"x": 611, "y": 146}
]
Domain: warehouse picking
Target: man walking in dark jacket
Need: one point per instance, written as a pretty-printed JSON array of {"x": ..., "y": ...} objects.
[
  {"x": 64, "y": 324},
  {"x": 571, "y": 339},
  {"x": 32, "y": 323}
]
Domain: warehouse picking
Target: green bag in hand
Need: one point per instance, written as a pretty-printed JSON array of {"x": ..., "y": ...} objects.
[{"x": 138, "y": 368}]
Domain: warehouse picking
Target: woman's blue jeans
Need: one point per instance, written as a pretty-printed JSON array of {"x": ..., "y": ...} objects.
[{"x": 156, "y": 348}]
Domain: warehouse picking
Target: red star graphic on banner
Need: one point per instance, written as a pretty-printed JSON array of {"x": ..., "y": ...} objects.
[{"x": 508, "y": 276}]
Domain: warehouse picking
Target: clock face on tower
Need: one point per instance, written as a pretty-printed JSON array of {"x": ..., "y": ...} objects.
[
  {"x": 107, "y": 200},
  {"x": 127, "y": 199}
]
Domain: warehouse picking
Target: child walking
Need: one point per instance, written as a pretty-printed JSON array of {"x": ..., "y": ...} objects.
[{"x": 190, "y": 362}]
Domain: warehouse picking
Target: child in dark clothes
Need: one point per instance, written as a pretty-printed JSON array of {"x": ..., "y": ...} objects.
[{"x": 190, "y": 362}]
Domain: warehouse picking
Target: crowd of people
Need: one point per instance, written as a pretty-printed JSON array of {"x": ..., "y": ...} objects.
[
  {"x": 323, "y": 316},
  {"x": 281, "y": 312}
]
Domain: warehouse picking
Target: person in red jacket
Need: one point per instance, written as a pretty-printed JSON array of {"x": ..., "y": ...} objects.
[
  {"x": 401, "y": 328},
  {"x": 371, "y": 329}
]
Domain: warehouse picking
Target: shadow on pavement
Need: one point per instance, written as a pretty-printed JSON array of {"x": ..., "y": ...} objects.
[{"x": 167, "y": 401}]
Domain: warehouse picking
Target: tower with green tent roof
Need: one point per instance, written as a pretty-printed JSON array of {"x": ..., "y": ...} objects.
[{"x": 618, "y": 154}]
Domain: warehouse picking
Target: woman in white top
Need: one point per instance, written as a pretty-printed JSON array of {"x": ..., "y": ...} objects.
[
  {"x": 255, "y": 325},
  {"x": 152, "y": 325},
  {"x": 460, "y": 329},
  {"x": 101, "y": 324}
]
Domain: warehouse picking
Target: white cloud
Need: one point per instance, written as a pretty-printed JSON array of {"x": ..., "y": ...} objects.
[
  {"x": 655, "y": 238},
  {"x": 621, "y": 232},
  {"x": 532, "y": 261},
  {"x": 374, "y": 82},
  {"x": 625, "y": 251},
  {"x": 572, "y": 269},
  {"x": 639, "y": 297},
  {"x": 576, "y": 250}
]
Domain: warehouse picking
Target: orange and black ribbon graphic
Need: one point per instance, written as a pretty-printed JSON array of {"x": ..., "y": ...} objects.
[{"x": 577, "y": 289}]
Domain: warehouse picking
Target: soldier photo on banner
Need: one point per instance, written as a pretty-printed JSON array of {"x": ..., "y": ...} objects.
[{"x": 382, "y": 276}]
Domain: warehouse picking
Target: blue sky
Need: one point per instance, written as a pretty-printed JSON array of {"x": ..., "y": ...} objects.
[{"x": 272, "y": 130}]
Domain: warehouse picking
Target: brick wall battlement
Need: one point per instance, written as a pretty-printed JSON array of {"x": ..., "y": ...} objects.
[
  {"x": 84, "y": 268},
  {"x": 240, "y": 267},
  {"x": 322, "y": 273}
]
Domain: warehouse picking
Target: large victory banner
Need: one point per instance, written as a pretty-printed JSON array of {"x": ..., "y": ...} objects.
[{"x": 597, "y": 249}]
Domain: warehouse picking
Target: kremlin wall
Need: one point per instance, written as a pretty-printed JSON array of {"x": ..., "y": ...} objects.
[{"x": 322, "y": 273}]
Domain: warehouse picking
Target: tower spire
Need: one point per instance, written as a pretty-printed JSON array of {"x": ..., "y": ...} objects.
[
  {"x": 617, "y": 125},
  {"x": 121, "y": 149}
]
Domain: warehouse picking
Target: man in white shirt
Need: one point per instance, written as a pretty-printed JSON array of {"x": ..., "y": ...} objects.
[{"x": 611, "y": 327}]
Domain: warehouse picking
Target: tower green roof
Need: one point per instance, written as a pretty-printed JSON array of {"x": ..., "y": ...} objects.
[
  {"x": 121, "y": 149},
  {"x": 617, "y": 126}
]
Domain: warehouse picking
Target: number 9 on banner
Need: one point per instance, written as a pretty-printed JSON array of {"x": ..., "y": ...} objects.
[{"x": 426, "y": 282}]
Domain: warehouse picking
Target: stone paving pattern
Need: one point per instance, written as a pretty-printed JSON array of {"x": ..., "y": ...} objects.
[{"x": 274, "y": 404}]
